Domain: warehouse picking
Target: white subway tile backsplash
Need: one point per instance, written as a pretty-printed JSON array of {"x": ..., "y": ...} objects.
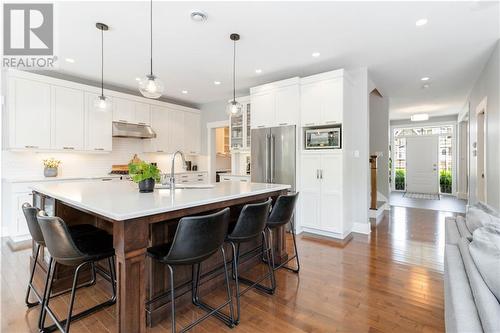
[{"x": 16, "y": 164}]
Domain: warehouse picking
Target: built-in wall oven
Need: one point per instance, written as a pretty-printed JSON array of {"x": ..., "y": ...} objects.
[{"x": 323, "y": 138}]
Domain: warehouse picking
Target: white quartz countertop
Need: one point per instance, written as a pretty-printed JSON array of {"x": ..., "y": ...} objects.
[
  {"x": 122, "y": 200},
  {"x": 29, "y": 179}
]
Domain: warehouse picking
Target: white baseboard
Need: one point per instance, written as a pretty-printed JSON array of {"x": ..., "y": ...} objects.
[
  {"x": 19, "y": 242},
  {"x": 325, "y": 233},
  {"x": 361, "y": 228}
]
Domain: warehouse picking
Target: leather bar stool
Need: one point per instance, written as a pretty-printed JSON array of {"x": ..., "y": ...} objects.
[
  {"x": 281, "y": 214},
  {"x": 86, "y": 249},
  {"x": 37, "y": 237},
  {"x": 250, "y": 225},
  {"x": 196, "y": 239}
]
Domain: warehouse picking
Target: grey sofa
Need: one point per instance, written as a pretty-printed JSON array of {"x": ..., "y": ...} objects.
[{"x": 470, "y": 306}]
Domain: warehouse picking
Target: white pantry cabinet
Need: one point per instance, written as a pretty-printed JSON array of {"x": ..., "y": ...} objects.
[
  {"x": 321, "y": 193},
  {"x": 68, "y": 119},
  {"x": 98, "y": 125},
  {"x": 192, "y": 135},
  {"x": 29, "y": 124},
  {"x": 322, "y": 99},
  {"x": 275, "y": 104}
]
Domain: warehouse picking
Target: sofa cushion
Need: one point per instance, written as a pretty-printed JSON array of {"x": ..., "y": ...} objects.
[
  {"x": 462, "y": 228},
  {"x": 476, "y": 218},
  {"x": 452, "y": 235},
  {"x": 460, "y": 310},
  {"x": 485, "y": 251},
  {"x": 487, "y": 304}
]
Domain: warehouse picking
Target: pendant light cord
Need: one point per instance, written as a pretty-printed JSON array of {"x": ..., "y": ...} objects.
[
  {"x": 234, "y": 70},
  {"x": 151, "y": 35},
  {"x": 102, "y": 62}
]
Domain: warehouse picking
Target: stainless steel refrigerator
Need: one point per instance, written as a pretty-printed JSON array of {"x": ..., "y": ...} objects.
[{"x": 273, "y": 155}]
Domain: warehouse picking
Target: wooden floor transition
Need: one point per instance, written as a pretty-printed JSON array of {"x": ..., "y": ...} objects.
[{"x": 390, "y": 281}]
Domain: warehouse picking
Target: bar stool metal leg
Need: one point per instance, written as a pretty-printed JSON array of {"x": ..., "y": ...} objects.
[
  {"x": 30, "y": 282},
  {"x": 228, "y": 320},
  {"x": 58, "y": 325},
  {"x": 295, "y": 256}
]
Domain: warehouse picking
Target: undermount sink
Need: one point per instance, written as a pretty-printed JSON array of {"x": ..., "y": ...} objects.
[{"x": 185, "y": 186}]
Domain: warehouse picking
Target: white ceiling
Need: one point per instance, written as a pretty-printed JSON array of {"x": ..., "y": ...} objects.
[{"x": 279, "y": 37}]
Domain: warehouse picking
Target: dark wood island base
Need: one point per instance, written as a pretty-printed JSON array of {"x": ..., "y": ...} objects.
[{"x": 143, "y": 284}]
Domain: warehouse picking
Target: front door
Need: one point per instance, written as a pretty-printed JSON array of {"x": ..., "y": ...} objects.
[{"x": 422, "y": 169}]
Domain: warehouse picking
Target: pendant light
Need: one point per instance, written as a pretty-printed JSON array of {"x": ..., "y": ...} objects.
[
  {"x": 101, "y": 102},
  {"x": 151, "y": 86},
  {"x": 234, "y": 108}
]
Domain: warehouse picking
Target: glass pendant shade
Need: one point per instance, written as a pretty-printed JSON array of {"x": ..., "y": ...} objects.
[
  {"x": 234, "y": 108},
  {"x": 151, "y": 86},
  {"x": 101, "y": 102}
]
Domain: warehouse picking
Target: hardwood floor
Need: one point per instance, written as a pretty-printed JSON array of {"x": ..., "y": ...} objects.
[{"x": 389, "y": 281}]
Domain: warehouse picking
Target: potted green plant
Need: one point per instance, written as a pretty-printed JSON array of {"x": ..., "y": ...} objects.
[
  {"x": 145, "y": 174},
  {"x": 50, "y": 167}
]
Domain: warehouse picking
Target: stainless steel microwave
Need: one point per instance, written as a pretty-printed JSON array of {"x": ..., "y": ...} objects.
[{"x": 323, "y": 138}]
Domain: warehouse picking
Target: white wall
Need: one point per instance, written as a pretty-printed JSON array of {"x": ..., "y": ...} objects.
[
  {"x": 214, "y": 111},
  {"x": 357, "y": 151},
  {"x": 379, "y": 139},
  {"x": 487, "y": 86}
]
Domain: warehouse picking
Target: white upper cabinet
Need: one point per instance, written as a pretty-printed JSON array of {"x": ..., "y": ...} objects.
[
  {"x": 29, "y": 114},
  {"x": 322, "y": 99},
  {"x": 287, "y": 105},
  {"x": 142, "y": 113},
  {"x": 262, "y": 110},
  {"x": 176, "y": 131},
  {"x": 192, "y": 133},
  {"x": 98, "y": 125},
  {"x": 128, "y": 111},
  {"x": 68, "y": 119},
  {"x": 160, "y": 121},
  {"x": 275, "y": 104}
]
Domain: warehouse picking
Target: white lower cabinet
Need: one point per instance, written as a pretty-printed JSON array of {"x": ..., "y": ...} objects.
[{"x": 321, "y": 193}]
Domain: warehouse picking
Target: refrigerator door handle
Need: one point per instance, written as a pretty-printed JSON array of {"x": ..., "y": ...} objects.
[
  {"x": 272, "y": 157},
  {"x": 267, "y": 157}
]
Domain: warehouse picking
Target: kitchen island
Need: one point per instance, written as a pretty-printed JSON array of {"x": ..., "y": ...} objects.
[{"x": 139, "y": 220}]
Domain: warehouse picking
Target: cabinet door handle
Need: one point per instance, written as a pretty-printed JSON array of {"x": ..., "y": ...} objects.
[
  {"x": 243, "y": 180},
  {"x": 31, "y": 147},
  {"x": 98, "y": 148},
  {"x": 283, "y": 124},
  {"x": 331, "y": 122},
  {"x": 142, "y": 123},
  {"x": 68, "y": 148},
  {"x": 321, "y": 174},
  {"x": 122, "y": 121},
  {"x": 317, "y": 173},
  {"x": 261, "y": 126},
  {"x": 159, "y": 151},
  {"x": 309, "y": 124},
  {"x": 106, "y": 179}
]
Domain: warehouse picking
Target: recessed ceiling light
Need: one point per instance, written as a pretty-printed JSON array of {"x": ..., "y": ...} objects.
[
  {"x": 425, "y": 78},
  {"x": 138, "y": 79},
  {"x": 184, "y": 92},
  {"x": 258, "y": 71},
  {"x": 421, "y": 22},
  {"x": 425, "y": 86},
  {"x": 198, "y": 16},
  {"x": 70, "y": 60},
  {"x": 217, "y": 83},
  {"x": 419, "y": 117},
  {"x": 316, "y": 54}
]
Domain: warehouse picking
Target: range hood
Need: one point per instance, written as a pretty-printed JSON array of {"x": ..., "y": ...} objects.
[{"x": 126, "y": 130}]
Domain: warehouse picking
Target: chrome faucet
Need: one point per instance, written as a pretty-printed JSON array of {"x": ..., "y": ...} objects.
[{"x": 172, "y": 170}]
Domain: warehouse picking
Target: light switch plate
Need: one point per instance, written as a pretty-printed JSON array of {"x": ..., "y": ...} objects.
[{"x": 356, "y": 153}]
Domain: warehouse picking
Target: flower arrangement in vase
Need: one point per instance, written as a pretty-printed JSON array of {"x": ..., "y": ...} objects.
[{"x": 50, "y": 167}]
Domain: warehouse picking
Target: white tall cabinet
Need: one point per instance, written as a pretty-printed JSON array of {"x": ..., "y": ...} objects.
[{"x": 325, "y": 179}]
